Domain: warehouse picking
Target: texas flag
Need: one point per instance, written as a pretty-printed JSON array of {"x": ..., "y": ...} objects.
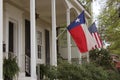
[{"x": 81, "y": 35}]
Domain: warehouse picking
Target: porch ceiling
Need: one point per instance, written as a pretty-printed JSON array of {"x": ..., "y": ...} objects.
[{"x": 43, "y": 8}]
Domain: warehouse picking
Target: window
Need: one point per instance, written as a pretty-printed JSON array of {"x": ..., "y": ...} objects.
[
  {"x": 39, "y": 44},
  {"x": 39, "y": 51},
  {"x": 47, "y": 46}
]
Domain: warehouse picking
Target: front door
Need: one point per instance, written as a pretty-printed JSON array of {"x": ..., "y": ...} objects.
[
  {"x": 12, "y": 39},
  {"x": 27, "y": 47}
]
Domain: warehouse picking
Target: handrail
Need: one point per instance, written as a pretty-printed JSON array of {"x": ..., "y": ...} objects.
[{"x": 27, "y": 64}]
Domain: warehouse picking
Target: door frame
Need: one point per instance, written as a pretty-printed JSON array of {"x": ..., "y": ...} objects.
[{"x": 15, "y": 34}]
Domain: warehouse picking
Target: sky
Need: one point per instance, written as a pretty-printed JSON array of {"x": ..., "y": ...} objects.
[{"x": 97, "y": 7}]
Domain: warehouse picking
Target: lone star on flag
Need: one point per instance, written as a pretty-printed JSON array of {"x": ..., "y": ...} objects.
[{"x": 77, "y": 20}]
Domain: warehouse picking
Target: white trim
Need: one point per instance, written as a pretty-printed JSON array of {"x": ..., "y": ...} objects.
[
  {"x": 68, "y": 36},
  {"x": 15, "y": 36},
  {"x": 21, "y": 47},
  {"x": 80, "y": 57},
  {"x": 33, "y": 40},
  {"x": 6, "y": 34},
  {"x": 54, "y": 51},
  {"x": 1, "y": 39},
  {"x": 39, "y": 39},
  {"x": 10, "y": 15},
  {"x": 68, "y": 4}
]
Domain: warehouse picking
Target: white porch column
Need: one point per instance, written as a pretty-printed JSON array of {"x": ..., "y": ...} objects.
[
  {"x": 80, "y": 57},
  {"x": 33, "y": 40},
  {"x": 68, "y": 37},
  {"x": 1, "y": 39},
  {"x": 88, "y": 59},
  {"x": 21, "y": 48},
  {"x": 54, "y": 38}
]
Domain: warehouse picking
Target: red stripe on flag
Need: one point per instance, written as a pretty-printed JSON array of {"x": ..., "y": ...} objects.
[
  {"x": 95, "y": 40},
  {"x": 98, "y": 40},
  {"x": 79, "y": 38}
]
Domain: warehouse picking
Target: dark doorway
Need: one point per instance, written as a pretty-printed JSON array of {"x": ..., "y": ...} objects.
[
  {"x": 11, "y": 38},
  {"x": 27, "y": 47},
  {"x": 27, "y": 38},
  {"x": 47, "y": 47}
]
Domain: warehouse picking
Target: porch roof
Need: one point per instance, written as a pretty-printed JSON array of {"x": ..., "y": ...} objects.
[{"x": 43, "y": 8}]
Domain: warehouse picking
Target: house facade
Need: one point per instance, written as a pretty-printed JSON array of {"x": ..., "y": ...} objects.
[{"x": 28, "y": 30}]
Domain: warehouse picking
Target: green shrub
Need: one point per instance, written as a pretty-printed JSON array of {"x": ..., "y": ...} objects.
[
  {"x": 102, "y": 58},
  {"x": 10, "y": 68},
  {"x": 66, "y": 71},
  {"x": 113, "y": 75},
  {"x": 52, "y": 73},
  {"x": 99, "y": 69},
  {"x": 81, "y": 72}
]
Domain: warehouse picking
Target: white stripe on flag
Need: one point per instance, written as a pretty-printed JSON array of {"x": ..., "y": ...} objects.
[
  {"x": 90, "y": 41},
  {"x": 98, "y": 40},
  {"x": 94, "y": 39}
]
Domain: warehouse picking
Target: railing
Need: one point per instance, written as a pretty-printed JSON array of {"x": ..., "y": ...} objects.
[
  {"x": 11, "y": 54},
  {"x": 27, "y": 64}
]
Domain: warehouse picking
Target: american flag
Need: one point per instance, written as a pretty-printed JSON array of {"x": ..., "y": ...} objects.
[{"x": 93, "y": 30}]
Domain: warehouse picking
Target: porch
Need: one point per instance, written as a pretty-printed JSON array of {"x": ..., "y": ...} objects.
[{"x": 28, "y": 30}]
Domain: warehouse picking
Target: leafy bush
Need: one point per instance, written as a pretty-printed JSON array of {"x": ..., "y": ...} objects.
[
  {"x": 81, "y": 72},
  {"x": 100, "y": 69},
  {"x": 113, "y": 75},
  {"x": 101, "y": 57},
  {"x": 48, "y": 71},
  {"x": 10, "y": 68},
  {"x": 66, "y": 71},
  {"x": 52, "y": 73}
]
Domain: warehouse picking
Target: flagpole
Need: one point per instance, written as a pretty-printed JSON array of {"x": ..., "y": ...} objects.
[{"x": 61, "y": 33}]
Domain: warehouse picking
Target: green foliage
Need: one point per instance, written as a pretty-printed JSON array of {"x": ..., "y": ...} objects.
[
  {"x": 48, "y": 71},
  {"x": 109, "y": 21},
  {"x": 52, "y": 72},
  {"x": 10, "y": 68},
  {"x": 66, "y": 71},
  {"x": 101, "y": 57},
  {"x": 81, "y": 72},
  {"x": 100, "y": 69},
  {"x": 113, "y": 75},
  {"x": 43, "y": 70}
]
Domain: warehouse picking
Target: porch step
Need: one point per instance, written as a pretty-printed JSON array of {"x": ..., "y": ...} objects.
[
  {"x": 24, "y": 78},
  {"x": 27, "y": 78}
]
